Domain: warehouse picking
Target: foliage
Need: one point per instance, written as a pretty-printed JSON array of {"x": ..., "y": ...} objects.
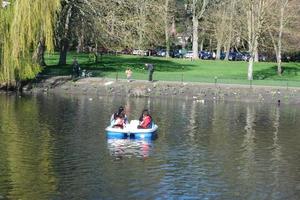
[
  {"x": 132, "y": 23},
  {"x": 23, "y": 23},
  {"x": 75, "y": 20},
  {"x": 142, "y": 24}
]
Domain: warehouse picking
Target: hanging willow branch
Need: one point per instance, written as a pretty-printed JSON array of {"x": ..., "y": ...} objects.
[{"x": 23, "y": 23}]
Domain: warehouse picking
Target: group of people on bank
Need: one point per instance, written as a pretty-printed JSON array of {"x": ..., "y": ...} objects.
[
  {"x": 119, "y": 119},
  {"x": 77, "y": 72},
  {"x": 148, "y": 66}
]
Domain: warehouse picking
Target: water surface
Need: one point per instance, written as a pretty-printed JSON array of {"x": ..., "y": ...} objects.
[{"x": 54, "y": 147}]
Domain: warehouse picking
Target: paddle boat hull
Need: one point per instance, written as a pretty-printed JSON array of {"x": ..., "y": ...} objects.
[
  {"x": 114, "y": 134},
  {"x": 131, "y": 131}
]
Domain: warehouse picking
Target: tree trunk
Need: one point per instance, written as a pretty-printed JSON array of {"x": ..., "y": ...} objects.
[
  {"x": 279, "y": 47},
  {"x": 64, "y": 43},
  {"x": 167, "y": 29},
  {"x": 227, "y": 49},
  {"x": 195, "y": 37},
  {"x": 201, "y": 45},
  {"x": 256, "y": 58},
  {"x": 64, "y": 47},
  {"x": 141, "y": 25},
  {"x": 167, "y": 44},
  {"x": 228, "y": 43},
  {"x": 253, "y": 51},
  {"x": 210, "y": 45},
  {"x": 218, "y": 54},
  {"x": 38, "y": 56},
  {"x": 80, "y": 44},
  {"x": 96, "y": 53},
  {"x": 279, "y": 63},
  {"x": 251, "y": 39},
  {"x": 96, "y": 57},
  {"x": 250, "y": 68}
]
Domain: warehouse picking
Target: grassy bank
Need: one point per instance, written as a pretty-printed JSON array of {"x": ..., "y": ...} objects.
[{"x": 173, "y": 69}]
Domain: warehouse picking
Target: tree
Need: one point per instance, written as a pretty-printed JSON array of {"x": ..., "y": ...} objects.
[
  {"x": 222, "y": 14},
  {"x": 167, "y": 24},
  {"x": 38, "y": 55},
  {"x": 23, "y": 23},
  {"x": 231, "y": 26},
  {"x": 287, "y": 10},
  {"x": 256, "y": 12},
  {"x": 75, "y": 22},
  {"x": 130, "y": 24},
  {"x": 220, "y": 25},
  {"x": 198, "y": 8}
]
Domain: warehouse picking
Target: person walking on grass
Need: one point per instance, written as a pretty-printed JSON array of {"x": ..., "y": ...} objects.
[
  {"x": 75, "y": 68},
  {"x": 150, "y": 68}
]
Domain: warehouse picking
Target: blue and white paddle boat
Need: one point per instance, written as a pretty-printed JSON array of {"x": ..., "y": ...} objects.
[{"x": 131, "y": 131}]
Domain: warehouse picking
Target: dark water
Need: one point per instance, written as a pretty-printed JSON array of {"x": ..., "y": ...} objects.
[{"x": 54, "y": 147}]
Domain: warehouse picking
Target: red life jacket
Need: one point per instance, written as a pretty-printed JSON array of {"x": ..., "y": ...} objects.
[{"x": 146, "y": 123}]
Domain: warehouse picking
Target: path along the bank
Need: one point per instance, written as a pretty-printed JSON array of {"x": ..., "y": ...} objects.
[{"x": 188, "y": 90}]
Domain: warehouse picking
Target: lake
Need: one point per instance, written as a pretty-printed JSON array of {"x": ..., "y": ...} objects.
[{"x": 55, "y": 147}]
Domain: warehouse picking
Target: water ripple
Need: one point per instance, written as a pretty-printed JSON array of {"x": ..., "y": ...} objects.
[{"x": 55, "y": 147}]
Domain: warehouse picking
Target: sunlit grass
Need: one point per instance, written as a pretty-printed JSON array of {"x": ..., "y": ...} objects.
[{"x": 173, "y": 69}]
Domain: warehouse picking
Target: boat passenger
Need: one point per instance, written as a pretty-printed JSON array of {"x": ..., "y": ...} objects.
[
  {"x": 145, "y": 120},
  {"x": 121, "y": 110},
  {"x": 119, "y": 122}
]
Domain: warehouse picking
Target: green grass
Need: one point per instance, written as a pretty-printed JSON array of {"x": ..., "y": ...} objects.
[{"x": 177, "y": 69}]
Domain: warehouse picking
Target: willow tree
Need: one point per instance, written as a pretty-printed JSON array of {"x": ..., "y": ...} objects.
[{"x": 23, "y": 24}]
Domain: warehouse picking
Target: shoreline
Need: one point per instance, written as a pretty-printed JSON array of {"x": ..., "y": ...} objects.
[{"x": 186, "y": 90}]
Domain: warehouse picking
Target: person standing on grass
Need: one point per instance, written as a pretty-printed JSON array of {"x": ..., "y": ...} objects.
[
  {"x": 150, "y": 68},
  {"x": 128, "y": 73},
  {"x": 76, "y": 68}
]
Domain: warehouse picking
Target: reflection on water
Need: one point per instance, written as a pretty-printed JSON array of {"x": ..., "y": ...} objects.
[
  {"x": 120, "y": 148},
  {"x": 248, "y": 149},
  {"x": 24, "y": 158},
  {"x": 276, "y": 158},
  {"x": 55, "y": 147}
]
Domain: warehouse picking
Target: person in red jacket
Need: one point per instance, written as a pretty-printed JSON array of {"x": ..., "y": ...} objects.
[{"x": 145, "y": 120}]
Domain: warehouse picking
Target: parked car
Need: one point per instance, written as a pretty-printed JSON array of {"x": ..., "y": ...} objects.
[
  {"x": 161, "y": 52},
  {"x": 127, "y": 51},
  {"x": 177, "y": 53},
  {"x": 246, "y": 56},
  {"x": 235, "y": 56},
  {"x": 139, "y": 52},
  {"x": 101, "y": 50},
  {"x": 189, "y": 54},
  {"x": 231, "y": 56},
  {"x": 262, "y": 58},
  {"x": 205, "y": 55},
  {"x": 239, "y": 56},
  {"x": 152, "y": 52},
  {"x": 222, "y": 55}
]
